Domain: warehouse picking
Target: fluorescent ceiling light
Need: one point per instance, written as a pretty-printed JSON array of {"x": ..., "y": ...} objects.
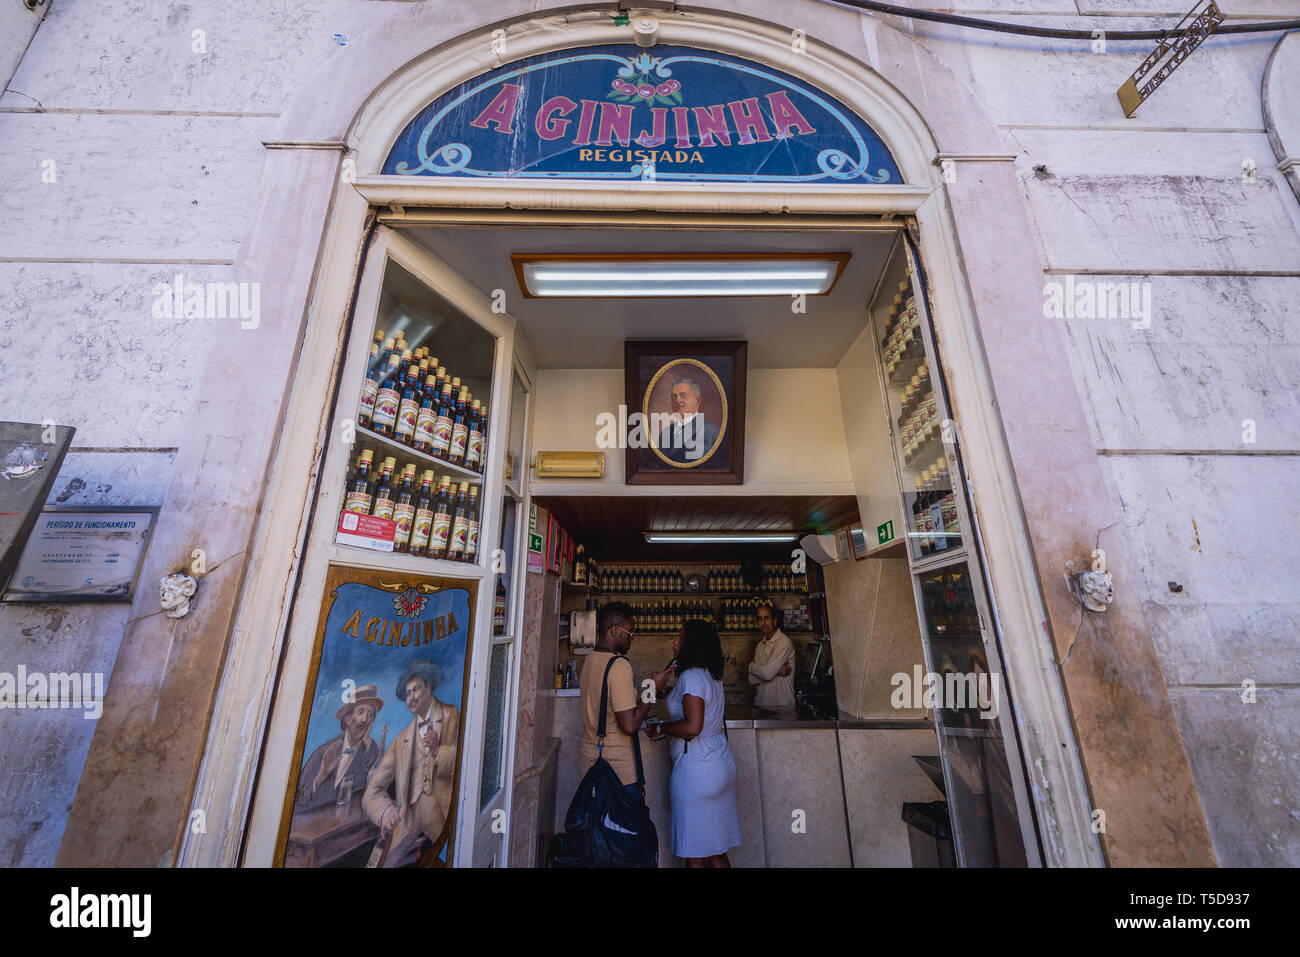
[
  {"x": 658, "y": 276},
  {"x": 734, "y": 538}
]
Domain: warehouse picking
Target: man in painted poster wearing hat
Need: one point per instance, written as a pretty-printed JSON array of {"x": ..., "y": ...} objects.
[
  {"x": 351, "y": 755},
  {"x": 420, "y": 766}
]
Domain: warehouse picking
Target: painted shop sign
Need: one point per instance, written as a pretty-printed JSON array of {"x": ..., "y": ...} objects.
[
  {"x": 622, "y": 113},
  {"x": 391, "y": 662}
]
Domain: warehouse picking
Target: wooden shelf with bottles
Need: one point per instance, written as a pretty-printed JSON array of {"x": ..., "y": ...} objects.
[
  {"x": 767, "y": 593},
  {"x": 415, "y": 417},
  {"x": 400, "y": 450},
  {"x": 734, "y": 633}
]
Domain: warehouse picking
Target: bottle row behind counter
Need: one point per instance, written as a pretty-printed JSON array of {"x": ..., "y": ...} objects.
[
  {"x": 668, "y": 579},
  {"x": 442, "y": 525}
]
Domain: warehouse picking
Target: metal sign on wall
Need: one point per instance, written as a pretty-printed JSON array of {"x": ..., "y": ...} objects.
[{"x": 619, "y": 112}]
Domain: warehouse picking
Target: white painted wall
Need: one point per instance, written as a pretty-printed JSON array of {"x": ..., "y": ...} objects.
[
  {"x": 866, "y": 432},
  {"x": 794, "y": 436}
]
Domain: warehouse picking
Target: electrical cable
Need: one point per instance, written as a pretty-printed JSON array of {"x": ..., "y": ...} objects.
[{"x": 995, "y": 26}]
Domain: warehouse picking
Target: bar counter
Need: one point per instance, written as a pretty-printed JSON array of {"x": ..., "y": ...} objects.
[{"x": 811, "y": 792}]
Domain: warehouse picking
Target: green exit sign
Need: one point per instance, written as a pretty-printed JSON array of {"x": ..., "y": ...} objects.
[
  {"x": 535, "y": 544},
  {"x": 885, "y": 533}
]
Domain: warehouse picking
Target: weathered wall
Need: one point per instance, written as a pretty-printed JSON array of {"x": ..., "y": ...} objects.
[
  {"x": 1168, "y": 397},
  {"x": 157, "y": 150}
]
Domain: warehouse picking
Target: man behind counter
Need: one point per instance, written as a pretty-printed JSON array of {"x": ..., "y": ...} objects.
[{"x": 772, "y": 669}]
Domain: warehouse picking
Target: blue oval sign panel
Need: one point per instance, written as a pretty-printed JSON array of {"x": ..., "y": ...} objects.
[{"x": 623, "y": 113}]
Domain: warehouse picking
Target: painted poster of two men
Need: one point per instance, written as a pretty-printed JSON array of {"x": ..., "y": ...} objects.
[{"x": 380, "y": 739}]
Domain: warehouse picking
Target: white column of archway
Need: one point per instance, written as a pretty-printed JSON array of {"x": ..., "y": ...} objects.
[{"x": 403, "y": 81}]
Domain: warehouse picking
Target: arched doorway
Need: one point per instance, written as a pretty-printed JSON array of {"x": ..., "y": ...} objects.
[{"x": 363, "y": 187}]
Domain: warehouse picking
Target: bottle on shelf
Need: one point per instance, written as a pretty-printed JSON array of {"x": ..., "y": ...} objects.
[
  {"x": 483, "y": 431},
  {"x": 474, "y": 451},
  {"x": 426, "y": 419},
  {"x": 459, "y": 525},
  {"x": 422, "y": 523},
  {"x": 408, "y": 408},
  {"x": 443, "y": 425},
  {"x": 471, "y": 537},
  {"x": 442, "y": 508},
  {"x": 387, "y": 399},
  {"x": 580, "y": 566},
  {"x": 404, "y": 510},
  {"x": 360, "y": 489},
  {"x": 369, "y": 389},
  {"x": 385, "y": 494},
  {"x": 499, "y": 607},
  {"x": 460, "y": 429}
]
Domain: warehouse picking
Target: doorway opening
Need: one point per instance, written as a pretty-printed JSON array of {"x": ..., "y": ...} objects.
[{"x": 848, "y": 439}]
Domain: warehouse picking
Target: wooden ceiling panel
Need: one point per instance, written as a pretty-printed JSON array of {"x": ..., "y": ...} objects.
[{"x": 612, "y": 525}]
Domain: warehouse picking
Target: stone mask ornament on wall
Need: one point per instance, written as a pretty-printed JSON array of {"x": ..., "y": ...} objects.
[{"x": 175, "y": 592}]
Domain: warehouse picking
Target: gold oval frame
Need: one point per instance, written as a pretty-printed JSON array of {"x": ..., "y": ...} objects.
[{"x": 645, "y": 413}]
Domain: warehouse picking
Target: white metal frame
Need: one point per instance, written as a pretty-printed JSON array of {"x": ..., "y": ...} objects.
[{"x": 493, "y": 847}]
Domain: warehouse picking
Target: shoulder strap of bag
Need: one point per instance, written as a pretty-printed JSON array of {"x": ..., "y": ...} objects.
[
  {"x": 601, "y": 725},
  {"x": 604, "y": 704}
]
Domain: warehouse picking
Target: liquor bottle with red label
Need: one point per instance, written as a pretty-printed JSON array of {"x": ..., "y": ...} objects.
[
  {"x": 459, "y": 525},
  {"x": 442, "y": 428},
  {"x": 460, "y": 429},
  {"x": 471, "y": 539},
  {"x": 385, "y": 494},
  {"x": 483, "y": 429},
  {"x": 387, "y": 398},
  {"x": 442, "y": 509},
  {"x": 474, "y": 453},
  {"x": 426, "y": 420},
  {"x": 360, "y": 487},
  {"x": 369, "y": 388},
  {"x": 409, "y": 408},
  {"x": 422, "y": 528},
  {"x": 404, "y": 510}
]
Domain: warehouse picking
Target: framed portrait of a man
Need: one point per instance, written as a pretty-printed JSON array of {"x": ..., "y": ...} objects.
[
  {"x": 686, "y": 411},
  {"x": 377, "y": 760}
]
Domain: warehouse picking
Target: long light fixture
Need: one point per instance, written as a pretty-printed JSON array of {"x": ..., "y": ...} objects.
[
  {"x": 719, "y": 538},
  {"x": 654, "y": 275}
]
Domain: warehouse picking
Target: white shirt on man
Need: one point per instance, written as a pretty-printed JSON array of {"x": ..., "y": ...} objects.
[{"x": 770, "y": 655}]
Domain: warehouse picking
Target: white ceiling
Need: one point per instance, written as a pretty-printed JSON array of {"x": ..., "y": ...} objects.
[{"x": 589, "y": 334}]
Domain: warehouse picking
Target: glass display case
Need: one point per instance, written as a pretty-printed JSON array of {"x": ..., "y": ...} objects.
[
  {"x": 968, "y": 712},
  {"x": 421, "y": 428},
  {"x": 919, "y": 421},
  {"x": 965, "y": 689}
]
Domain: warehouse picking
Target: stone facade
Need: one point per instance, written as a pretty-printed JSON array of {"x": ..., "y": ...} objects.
[{"x": 156, "y": 118}]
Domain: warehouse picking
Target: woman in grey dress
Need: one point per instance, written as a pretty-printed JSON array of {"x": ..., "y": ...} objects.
[{"x": 706, "y": 823}]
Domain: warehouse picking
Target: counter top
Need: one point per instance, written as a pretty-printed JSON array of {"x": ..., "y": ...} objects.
[{"x": 753, "y": 716}]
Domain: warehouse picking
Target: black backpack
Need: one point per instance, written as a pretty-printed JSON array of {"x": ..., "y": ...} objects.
[{"x": 605, "y": 827}]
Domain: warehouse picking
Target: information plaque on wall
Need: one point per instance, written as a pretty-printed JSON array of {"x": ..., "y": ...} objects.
[{"x": 86, "y": 554}]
